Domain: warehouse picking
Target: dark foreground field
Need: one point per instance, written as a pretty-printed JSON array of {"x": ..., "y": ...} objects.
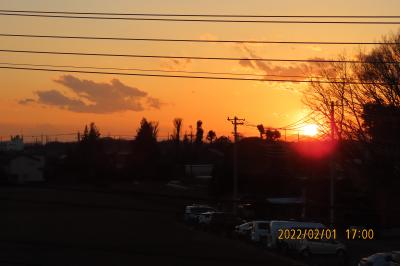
[{"x": 47, "y": 226}]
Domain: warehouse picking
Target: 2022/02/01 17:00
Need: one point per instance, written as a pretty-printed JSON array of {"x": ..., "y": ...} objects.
[{"x": 324, "y": 234}]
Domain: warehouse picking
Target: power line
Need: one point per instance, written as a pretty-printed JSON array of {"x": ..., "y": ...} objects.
[
  {"x": 198, "y": 57},
  {"x": 162, "y": 70},
  {"x": 198, "y": 15},
  {"x": 172, "y": 71},
  {"x": 204, "y": 20},
  {"x": 190, "y": 77},
  {"x": 297, "y": 122},
  {"x": 191, "y": 40}
]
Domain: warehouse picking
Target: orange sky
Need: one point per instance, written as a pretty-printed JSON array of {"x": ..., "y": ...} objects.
[{"x": 274, "y": 104}]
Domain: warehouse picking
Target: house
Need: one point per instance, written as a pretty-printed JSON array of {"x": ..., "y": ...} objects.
[
  {"x": 15, "y": 144},
  {"x": 23, "y": 168}
]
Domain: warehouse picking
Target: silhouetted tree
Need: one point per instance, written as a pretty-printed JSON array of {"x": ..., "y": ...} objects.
[
  {"x": 261, "y": 130},
  {"x": 382, "y": 123},
  {"x": 211, "y": 135},
  {"x": 272, "y": 135},
  {"x": 147, "y": 132},
  {"x": 223, "y": 140},
  {"x": 380, "y": 86},
  {"x": 88, "y": 160},
  {"x": 199, "y": 132},
  {"x": 145, "y": 152},
  {"x": 177, "y": 122},
  {"x": 186, "y": 139},
  {"x": 92, "y": 134}
]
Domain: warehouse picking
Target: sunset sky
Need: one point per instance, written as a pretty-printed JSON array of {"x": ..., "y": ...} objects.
[{"x": 50, "y": 102}]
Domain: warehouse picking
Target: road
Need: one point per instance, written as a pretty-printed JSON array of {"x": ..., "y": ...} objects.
[{"x": 45, "y": 226}]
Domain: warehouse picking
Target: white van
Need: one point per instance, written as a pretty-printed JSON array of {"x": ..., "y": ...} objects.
[
  {"x": 259, "y": 231},
  {"x": 273, "y": 241}
]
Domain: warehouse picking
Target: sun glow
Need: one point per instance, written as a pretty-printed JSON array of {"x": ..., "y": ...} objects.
[{"x": 310, "y": 130}]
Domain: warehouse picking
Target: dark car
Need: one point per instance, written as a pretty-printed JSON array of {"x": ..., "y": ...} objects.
[{"x": 223, "y": 223}]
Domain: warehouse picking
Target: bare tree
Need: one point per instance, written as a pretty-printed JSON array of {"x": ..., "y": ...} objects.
[
  {"x": 177, "y": 122},
  {"x": 351, "y": 86}
]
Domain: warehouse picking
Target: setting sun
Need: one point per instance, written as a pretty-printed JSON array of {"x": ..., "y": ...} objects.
[{"x": 310, "y": 130}]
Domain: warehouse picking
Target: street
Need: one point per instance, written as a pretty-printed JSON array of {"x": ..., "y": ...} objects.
[{"x": 72, "y": 228}]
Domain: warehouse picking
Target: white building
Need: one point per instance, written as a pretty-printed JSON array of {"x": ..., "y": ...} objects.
[{"x": 25, "y": 169}]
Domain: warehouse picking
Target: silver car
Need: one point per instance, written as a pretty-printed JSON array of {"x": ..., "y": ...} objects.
[
  {"x": 381, "y": 259},
  {"x": 308, "y": 247}
]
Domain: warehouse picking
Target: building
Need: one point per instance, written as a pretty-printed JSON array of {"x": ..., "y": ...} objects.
[
  {"x": 23, "y": 168},
  {"x": 15, "y": 144}
]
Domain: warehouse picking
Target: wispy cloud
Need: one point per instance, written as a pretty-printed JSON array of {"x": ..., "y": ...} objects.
[
  {"x": 88, "y": 96},
  {"x": 270, "y": 69},
  {"x": 175, "y": 64}
]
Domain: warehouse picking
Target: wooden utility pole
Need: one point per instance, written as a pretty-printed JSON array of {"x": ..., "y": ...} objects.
[
  {"x": 191, "y": 134},
  {"x": 235, "y": 122},
  {"x": 332, "y": 166}
]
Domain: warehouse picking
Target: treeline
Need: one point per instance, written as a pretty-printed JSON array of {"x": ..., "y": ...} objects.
[{"x": 102, "y": 160}]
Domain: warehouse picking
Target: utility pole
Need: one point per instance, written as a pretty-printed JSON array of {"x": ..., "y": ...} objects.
[
  {"x": 191, "y": 134},
  {"x": 332, "y": 166},
  {"x": 191, "y": 151},
  {"x": 235, "y": 122}
]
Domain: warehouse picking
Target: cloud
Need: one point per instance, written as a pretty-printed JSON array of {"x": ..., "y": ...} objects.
[
  {"x": 154, "y": 102},
  {"x": 56, "y": 98},
  {"x": 175, "y": 64},
  {"x": 95, "y": 97},
  {"x": 26, "y": 101},
  {"x": 292, "y": 70}
]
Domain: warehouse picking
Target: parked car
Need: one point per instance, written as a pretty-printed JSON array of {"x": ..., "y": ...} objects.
[
  {"x": 309, "y": 247},
  {"x": 219, "y": 222},
  {"x": 192, "y": 212},
  {"x": 205, "y": 217},
  {"x": 260, "y": 231},
  {"x": 243, "y": 230},
  {"x": 381, "y": 259}
]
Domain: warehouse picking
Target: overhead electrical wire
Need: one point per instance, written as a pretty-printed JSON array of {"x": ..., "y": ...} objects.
[
  {"x": 172, "y": 71},
  {"x": 292, "y": 126},
  {"x": 43, "y": 15},
  {"x": 197, "y": 57},
  {"x": 299, "y": 122},
  {"x": 198, "y": 15},
  {"x": 191, "y": 40},
  {"x": 185, "y": 76}
]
